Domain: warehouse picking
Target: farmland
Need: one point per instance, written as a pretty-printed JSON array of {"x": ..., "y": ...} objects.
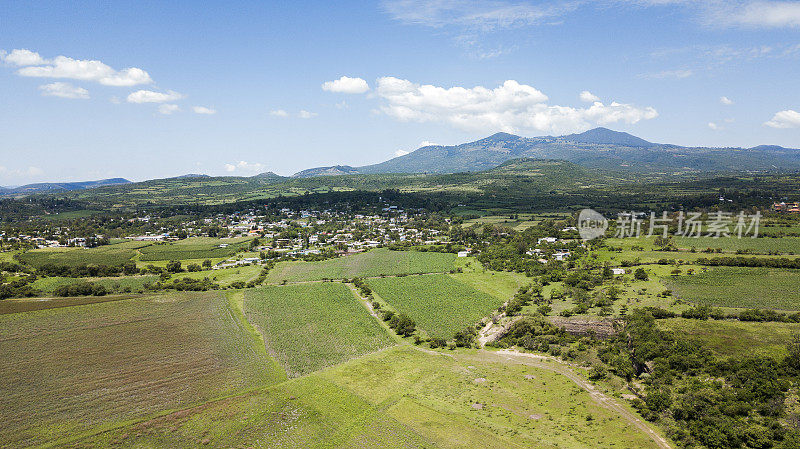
[
  {"x": 193, "y": 248},
  {"x": 68, "y": 370},
  {"x": 740, "y": 287},
  {"x": 310, "y": 326},
  {"x": 438, "y": 303},
  {"x": 376, "y": 262},
  {"x": 735, "y": 338},
  {"x": 403, "y": 398},
  {"x": 116, "y": 254},
  {"x": 121, "y": 284}
]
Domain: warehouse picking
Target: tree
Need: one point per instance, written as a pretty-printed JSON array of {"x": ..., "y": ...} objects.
[
  {"x": 193, "y": 267},
  {"x": 206, "y": 263},
  {"x": 640, "y": 274},
  {"x": 174, "y": 266}
]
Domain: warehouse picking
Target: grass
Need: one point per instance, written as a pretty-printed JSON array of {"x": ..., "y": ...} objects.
[
  {"x": 310, "y": 326},
  {"x": 783, "y": 245},
  {"x": 110, "y": 255},
  {"x": 115, "y": 284},
  {"x": 735, "y": 338},
  {"x": 439, "y": 304},
  {"x": 500, "y": 284},
  {"x": 371, "y": 263},
  {"x": 68, "y": 370},
  {"x": 399, "y": 398},
  {"x": 225, "y": 276},
  {"x": 740, "y": 287},
  {"x": 193, "y": 248}
]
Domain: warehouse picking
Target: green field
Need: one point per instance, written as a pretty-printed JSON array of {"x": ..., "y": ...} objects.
[
  {"x": 740, "y": 287},
  {"x": 114, "y": 284},
  {"x": 116, "y": 254},
  {"x": 193, "y": 248},
  {"x": 371, "y": 263},
  {"x": 766, "y": 245},
  {"x": 72, "y": 369},
  {"x": 310, "y": 326},
  {"x": 438, "y": 303},
  {"x": 225, "y": 276},
  {"x": 399, "y": 398},
  {"x": 735, "y": 338}
]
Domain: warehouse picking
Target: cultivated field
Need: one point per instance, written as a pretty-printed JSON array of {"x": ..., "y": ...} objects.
[
  {"x": 399, "y": 398},
  {"x": 438, "y": 303},
  {"x": 69, "y": 370},
  {"x": 736, "y": 338},
  {"x": 371, "y": 263},
  {"x": 193, "y": 248},
  {"x": 740, "y": 287},
  {"x": 310, "y": 326},
  {"x": 116, "y": 254},
  {"x": 114, "y": 284}
]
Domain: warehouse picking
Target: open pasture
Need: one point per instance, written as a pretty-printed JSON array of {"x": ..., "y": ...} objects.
[
  {"x": 399, "y": 398},
  {"x": 71, "y": 369},
  {"x": 193, "y": 248},
  {"x": 225, "y": 276},
  {"x": 440, "y": 304},
  {"x": 735, "y": 338},
  {"x": 310, "y": 326},
  {"x": 740, "y": 287},
  {"x": 376, "y": 262},
  {"x": 761, "y": 245},
  {"x": 110, "y": 255}
]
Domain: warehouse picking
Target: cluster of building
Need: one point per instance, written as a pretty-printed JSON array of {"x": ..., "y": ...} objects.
[{"x": 786, "y": 207}]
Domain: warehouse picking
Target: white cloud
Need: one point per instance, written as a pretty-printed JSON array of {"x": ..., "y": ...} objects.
[
  {"x": 167, "y": 109},
  {"x": 149, "y": 96},
  {"x": 399, "y": 153},
  {"x": 475, "y": 14},
  {"x": 278, "y": 113},
  {"x": 346, "y": 85},
  {"x": 33, "y": 65},
  {"x": 245, "y": 167},
  {"x": 725, "y": 100},
  {"x": 341, "y": 105},
  {"x": 511, "y": 107},
  {"x": 589, "y": 97},
  {"x": 23, "y": 57},
  {"x": 31, "y": 171},
  {"x": 306, "y": 114},
  {"x": 785, "y": 119},
  {"x": 64, "y": 90},
  {"x": 204, "y": 110},
  {"x": 424, "y": 143},
  {"x": 714, "y": 126},
  {"x": 761, "y": 14},
  {"x": 678, "y": 74}
]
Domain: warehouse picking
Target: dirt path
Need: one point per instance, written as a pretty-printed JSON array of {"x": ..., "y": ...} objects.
[{"x": 555, "y": 365}]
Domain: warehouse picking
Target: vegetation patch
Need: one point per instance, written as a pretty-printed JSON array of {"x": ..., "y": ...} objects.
[
  {"x": 741, "y": 287},
  {"x": 439, "y": 304},
  {"x": 310, "y": 326},
  {"x": 108, "y": 255},
  {"x": 66, "y": 370},
  {"x": 194, "y": 248},
  {"x": 377, "y": 262}
]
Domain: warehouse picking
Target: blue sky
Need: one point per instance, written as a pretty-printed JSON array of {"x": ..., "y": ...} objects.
[{"x": 149, "y": 89}]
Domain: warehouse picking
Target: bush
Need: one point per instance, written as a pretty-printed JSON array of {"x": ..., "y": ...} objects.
[
  {"x": 80, "y": 289},
  {"x": 640, "y": 274},
  {"x": 174, "y": 266}
]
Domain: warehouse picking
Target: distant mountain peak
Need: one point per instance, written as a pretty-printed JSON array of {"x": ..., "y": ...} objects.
[
  {"x": 335, "y": 170},
  {"x": 607, "y": 136}
]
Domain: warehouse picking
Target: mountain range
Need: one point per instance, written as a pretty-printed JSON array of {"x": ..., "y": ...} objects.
[
  {"x": 58, "y": 187},
  {"x": 596, "y": 148},
  {"x": 599, "y": 148}
]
